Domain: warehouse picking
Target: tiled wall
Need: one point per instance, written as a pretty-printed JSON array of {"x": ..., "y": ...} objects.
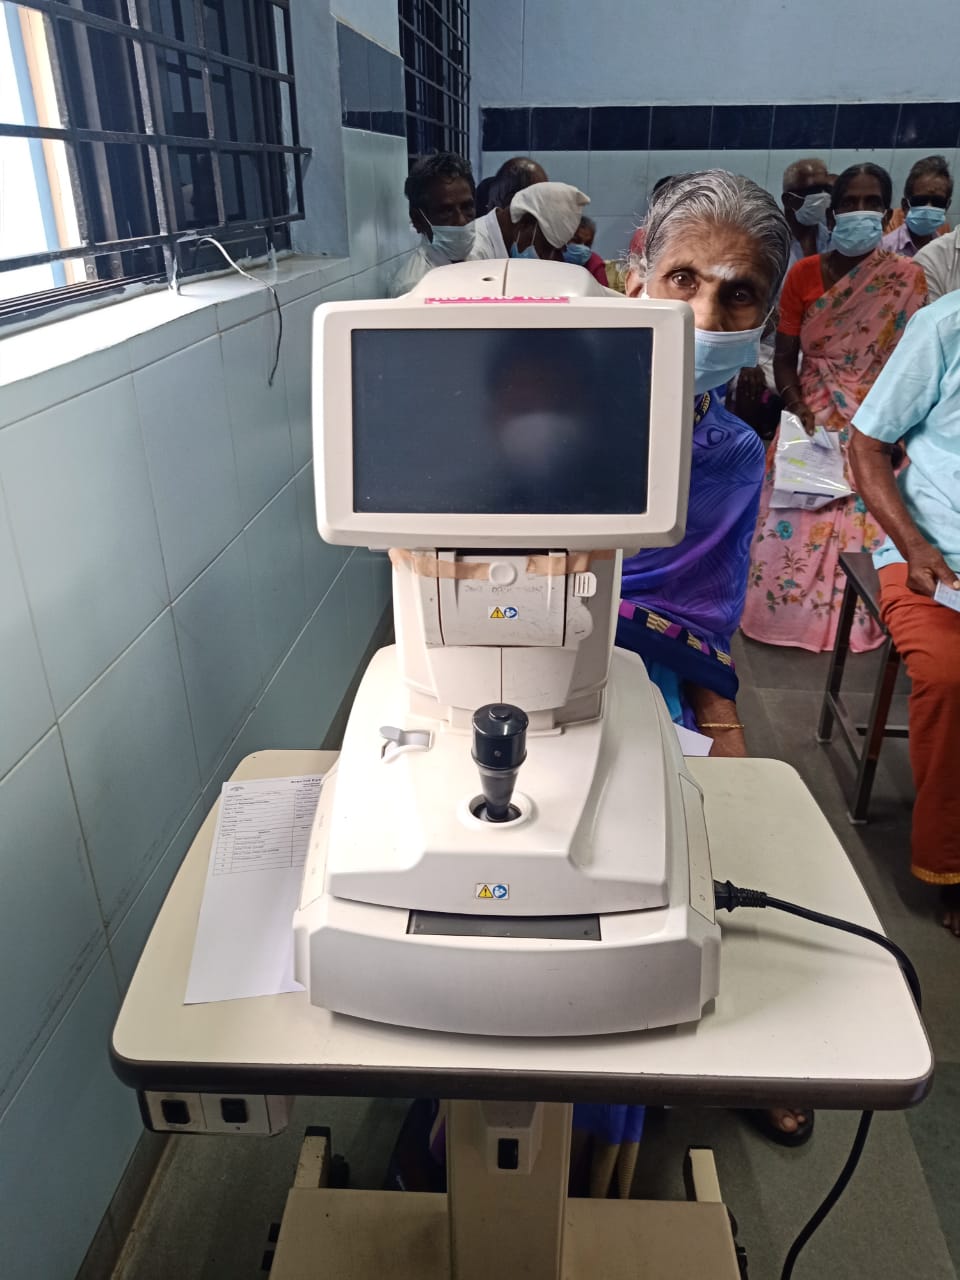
[
  {"x": 616, "y": 153},
  {"x": 166, "y": 607}
]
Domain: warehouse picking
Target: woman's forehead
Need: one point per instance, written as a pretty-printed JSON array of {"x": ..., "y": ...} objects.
[{"x": 714, "y": 249}]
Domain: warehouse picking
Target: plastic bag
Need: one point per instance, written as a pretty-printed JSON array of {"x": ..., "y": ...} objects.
[{"x": 808, "y": 471}]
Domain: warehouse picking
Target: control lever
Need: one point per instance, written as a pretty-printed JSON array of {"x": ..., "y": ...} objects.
[{"x": 499, "y": 749}]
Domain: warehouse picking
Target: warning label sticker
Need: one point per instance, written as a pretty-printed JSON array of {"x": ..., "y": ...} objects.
[
  {"x": 508, "y": 611},
  {"x": 497, "y": 613},
  {"x": 500, "y": 892}
]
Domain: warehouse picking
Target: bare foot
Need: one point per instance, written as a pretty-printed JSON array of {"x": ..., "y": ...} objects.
[
  {"x": 950, "y": 905},
  {"x": 787, "y": 1119}
]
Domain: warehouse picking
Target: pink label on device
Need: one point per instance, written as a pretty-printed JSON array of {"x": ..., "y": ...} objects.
[{"x": 518, "y": 299}]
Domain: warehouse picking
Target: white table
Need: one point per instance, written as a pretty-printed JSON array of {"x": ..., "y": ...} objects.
[{"x": 804, "y": 1013}]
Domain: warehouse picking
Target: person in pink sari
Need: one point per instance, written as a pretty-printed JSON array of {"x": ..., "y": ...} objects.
[{"x": 843, "y": 311}]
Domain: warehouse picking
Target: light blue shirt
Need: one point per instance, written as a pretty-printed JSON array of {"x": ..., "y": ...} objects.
[
  {"x": 823, "y": 242},
  {"x": 917, "y": 397}
]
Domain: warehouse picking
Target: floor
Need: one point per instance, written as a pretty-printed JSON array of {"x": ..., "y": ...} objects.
[{"x": 210, "y": 1210}]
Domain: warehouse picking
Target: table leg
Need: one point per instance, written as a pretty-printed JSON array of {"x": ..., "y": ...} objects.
[
  {"x": 507, "y": 1170},
  {"x": 837, "y": 662}
]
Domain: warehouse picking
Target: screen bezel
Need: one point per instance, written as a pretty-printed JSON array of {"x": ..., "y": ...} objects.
[{"x": 671, "y": 424}]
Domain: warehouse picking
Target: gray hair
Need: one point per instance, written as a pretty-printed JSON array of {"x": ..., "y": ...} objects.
[{"x": 722, "y": 199}]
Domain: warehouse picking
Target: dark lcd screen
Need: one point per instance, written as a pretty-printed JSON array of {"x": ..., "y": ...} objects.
[{"x": 501, "y": 421}]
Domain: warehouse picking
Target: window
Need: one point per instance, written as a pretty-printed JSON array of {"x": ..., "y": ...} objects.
[
  {"x": 128, "y": 128},
  {"x": 435, "y": 44}
]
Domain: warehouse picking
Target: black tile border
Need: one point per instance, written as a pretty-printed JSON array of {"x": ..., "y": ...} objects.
[
  {"x": 371, "y": 85},
  {"x": 815, "y": 126}
]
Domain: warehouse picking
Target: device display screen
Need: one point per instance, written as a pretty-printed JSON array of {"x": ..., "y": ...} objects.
[{"x": 501, "y": 421}]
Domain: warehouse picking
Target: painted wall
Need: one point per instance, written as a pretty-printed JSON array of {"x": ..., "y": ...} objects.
[{"x": 166, "y": 607}]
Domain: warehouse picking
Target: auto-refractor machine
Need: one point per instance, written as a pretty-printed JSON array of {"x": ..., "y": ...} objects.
[{"x": 510, "y": 843}]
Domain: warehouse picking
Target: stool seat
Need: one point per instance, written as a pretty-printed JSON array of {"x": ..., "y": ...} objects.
[{"x": 863, "y": 740}]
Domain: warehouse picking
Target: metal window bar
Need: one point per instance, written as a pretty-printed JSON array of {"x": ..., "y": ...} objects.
[
  {"x": 435, "y": 44},
  {"x": 128, "y": 183}
]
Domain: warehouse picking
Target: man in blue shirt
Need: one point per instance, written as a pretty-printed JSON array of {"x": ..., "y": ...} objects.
[{"x": 916, "y": 399}]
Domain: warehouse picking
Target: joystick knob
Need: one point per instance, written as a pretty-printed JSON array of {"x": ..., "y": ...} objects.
[{"x": 499, "y": 749}]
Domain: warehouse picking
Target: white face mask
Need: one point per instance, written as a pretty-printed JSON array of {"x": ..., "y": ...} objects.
[
  {"x": 814, "y": 208},
  {"x": 455, "y": 243}
]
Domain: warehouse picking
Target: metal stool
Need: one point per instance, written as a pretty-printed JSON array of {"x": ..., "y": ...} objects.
[{"x": 862, "y": 583}]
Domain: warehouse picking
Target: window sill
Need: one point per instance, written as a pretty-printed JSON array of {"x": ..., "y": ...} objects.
[{"x": 67, "y": 356}]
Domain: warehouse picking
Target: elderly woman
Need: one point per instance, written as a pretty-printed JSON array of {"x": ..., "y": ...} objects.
[
  {"x": 719, "y": 243},
  {"x": 843, "y": 311}
]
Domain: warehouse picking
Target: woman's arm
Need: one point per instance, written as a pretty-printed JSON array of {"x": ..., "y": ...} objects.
[
  {"x": 717, "y": 719},
  {"x": 786, "y": 358}
]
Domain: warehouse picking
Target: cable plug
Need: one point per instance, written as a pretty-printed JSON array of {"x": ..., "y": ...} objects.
[{"x": 728, "y": 896}]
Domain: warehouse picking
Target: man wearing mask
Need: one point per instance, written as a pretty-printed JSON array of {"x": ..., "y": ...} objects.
[
  {"x": 806, "y": 201},
  {"x": 441, "y": 194},
  {"x": 926, "y": 199}
]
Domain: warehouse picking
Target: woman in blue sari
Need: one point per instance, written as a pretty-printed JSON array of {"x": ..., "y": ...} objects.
[{"x": 720, "y": 243}]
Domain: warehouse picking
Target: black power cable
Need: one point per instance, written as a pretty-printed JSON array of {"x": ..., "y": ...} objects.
[{"x": 728, "y": 897}]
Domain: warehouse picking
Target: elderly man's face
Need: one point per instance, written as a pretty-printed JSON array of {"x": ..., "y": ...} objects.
[{"x": 716, "y": 270}]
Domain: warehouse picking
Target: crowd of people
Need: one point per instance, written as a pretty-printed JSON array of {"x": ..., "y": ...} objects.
[{"x": 833, "y": 307}]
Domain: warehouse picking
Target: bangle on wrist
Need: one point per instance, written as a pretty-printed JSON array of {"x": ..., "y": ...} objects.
[{"x": 722, "y": 724}]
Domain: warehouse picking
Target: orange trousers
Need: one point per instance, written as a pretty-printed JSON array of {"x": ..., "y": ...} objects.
[{"x": 927, "y": 636}]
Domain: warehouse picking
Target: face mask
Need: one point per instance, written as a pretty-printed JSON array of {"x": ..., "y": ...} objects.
[
  {"x": 718, "y": 357},
  {"x": 814, "y": 209},
  {"x": 857, "y": 233},
  {"x": 578, "y": 254},
  {"x": 924, "y": 219},
  {"x": 528, "y": 252},
  {"x": 456, "y": 243}
]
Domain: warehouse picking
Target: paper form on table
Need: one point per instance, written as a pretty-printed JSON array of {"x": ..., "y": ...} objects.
[{"x": 244, "y": 941}]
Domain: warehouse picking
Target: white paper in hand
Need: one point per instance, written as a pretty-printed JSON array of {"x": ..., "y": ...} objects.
[
  {"x": 946, "y": 595},
  {"x": 244, "y": 941}
]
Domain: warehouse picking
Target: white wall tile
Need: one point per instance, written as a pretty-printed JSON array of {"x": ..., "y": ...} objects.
[
  {"x": 664, "y": 164},
  {"x": 368, "y": 594},
  {"x": 490, "y": 162},
  {"x": 220, "y": 652},
  {"x": 29, "y": 383},
  {"x": 296, "y": 365},
  {"x": 65, "y": 1140},
  {"x": 376, "y": 19},
  {"x": 259, "y": 422},
  {"x": 275, "y": 556},
  {"x": 395, "y": 235},
  {"x": 614, "y": 235},
  {"x": 360, "y": 192},
  {"x": 83, "y": 520},
  {"x": 321, "y": 560},
  {"x": 567, "y": 166},
  {"x": 749, "y": 164},
  {"x": 197, "y": 320},
  {"x": 25, "y": 708},
  {"x": 617, "y": 184},
  {"x": 375, "y": 281},
  {"x": 186, "y": 431},
  {"x": 843, "y": 159},
  {"x": 132, "y": 930},
  {"x": 131, "y": 757},
  {"x": 50, "y": 928}
]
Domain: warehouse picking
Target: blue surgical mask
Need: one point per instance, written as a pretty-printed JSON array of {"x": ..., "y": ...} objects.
[
  {"x": 925, "y": 219},
  {"x": 814, "y": 208},
  {"x": 578, "y": 254},
  {"x": 857, "y": 233},
  {"x": 528, "y": 252},
  {"x": 718, "y": 357},
  {"x": 455, "y": 243}
]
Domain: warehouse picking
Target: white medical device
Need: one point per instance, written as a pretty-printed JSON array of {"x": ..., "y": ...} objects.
[{"x": 510, "y": 843}]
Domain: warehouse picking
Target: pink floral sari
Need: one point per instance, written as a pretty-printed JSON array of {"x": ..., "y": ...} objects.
[{"x": 795, "y": 583}]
